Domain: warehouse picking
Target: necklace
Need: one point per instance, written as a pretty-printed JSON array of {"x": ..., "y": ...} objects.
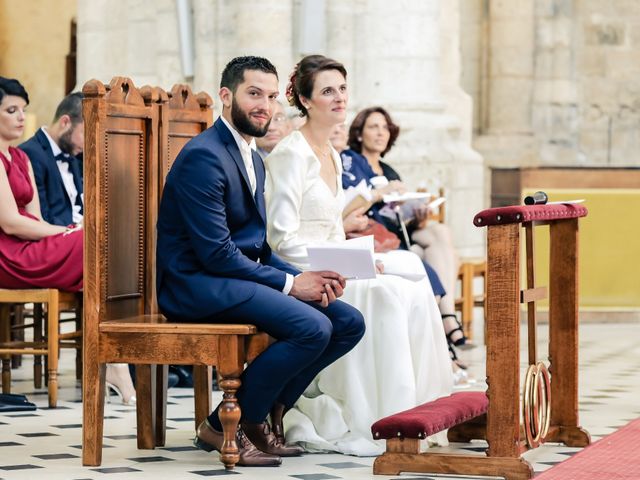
[{"x": 318, "y": 150}]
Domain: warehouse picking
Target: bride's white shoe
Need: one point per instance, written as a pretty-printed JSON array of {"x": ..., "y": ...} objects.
[{"x": 119, "y": 380}]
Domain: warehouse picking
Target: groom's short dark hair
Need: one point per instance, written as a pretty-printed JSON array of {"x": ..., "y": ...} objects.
[{"x": 233, "y": 73}]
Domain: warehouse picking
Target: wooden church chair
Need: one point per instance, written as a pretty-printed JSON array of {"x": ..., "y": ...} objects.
[
  {"x": 122, "y": 322},
  {"x": 44, "y": 343}
]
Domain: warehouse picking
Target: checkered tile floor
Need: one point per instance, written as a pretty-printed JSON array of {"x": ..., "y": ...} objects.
[{"x": 50, "y": 439}]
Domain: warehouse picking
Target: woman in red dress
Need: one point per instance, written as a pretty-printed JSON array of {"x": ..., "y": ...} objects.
[{"x": 33, "y": 253}]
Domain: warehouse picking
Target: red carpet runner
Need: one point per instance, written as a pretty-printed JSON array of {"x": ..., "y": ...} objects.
[{"x": 614, "y": 457}]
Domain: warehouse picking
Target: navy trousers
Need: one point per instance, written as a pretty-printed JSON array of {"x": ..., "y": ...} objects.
[{"x": 309, "y": 338}]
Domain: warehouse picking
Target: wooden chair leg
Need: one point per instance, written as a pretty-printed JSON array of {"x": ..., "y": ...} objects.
[
  {"x": 231, "y": 354},
  {"x": 503, "y": 340},
  {"x": 78, "y": 322},
  {"x": 162, "y": 373},
  {"x": 92, "y": 412},
  {"x": 5, "y": 335},
  {"x": 146, "y": 406},
  {"x": 229, "y": 417},
  {"x": 563, "y": 334},
  {"x": 17, "y": 320},
  {"x": 202, "y": 384},
  {"x": 37, "y": 338},
  {"x": 53, "y": 317}
]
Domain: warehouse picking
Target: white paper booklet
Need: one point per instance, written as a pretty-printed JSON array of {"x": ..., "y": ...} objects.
[
  {"x": 394, "y": 265},
  {"x": 403, "y": 197},
  {"x": 353, "y": 259}
]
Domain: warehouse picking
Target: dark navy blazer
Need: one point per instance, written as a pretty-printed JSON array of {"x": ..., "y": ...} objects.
[
  {"x": 55, "y": 205},
  {"x": 212, "y": 248}
]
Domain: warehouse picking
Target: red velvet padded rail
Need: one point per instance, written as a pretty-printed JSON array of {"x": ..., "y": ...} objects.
[
  {"x": 432, "y": 417},
  {"x": 528, "y": 213}
]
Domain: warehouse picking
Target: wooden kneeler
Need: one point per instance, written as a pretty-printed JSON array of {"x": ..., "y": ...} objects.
[{"x": 549, "y": 405}]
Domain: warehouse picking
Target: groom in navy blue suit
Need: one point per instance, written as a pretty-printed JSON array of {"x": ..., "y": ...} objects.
[{"x": 214, "y": 265}]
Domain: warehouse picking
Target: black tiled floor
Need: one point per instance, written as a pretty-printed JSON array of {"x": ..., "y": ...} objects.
[
  {"x": 55, "y": 456},
  {"x": 26, "y": 466},
  {"x": 180, "y": 449},
  {"x": 213, "y": 473},
  {"x": 340, "y": 465},
  {"x": 116, "y": 470},
  {"x": 52, "y": 438},
  {"x": 314, "y": 476},
  {"x": 156, "y": 458}
]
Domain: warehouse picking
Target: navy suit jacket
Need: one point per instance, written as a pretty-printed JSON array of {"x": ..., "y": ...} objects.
[
  {"x": 212, "y": 249},
  {"x": 55, "y": 205}
]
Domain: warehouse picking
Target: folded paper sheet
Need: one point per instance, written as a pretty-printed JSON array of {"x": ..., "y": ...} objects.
[{"x": 353, "y": 259}]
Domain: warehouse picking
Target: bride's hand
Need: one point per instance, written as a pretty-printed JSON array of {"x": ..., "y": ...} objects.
[{"x": 379, "y": 267}]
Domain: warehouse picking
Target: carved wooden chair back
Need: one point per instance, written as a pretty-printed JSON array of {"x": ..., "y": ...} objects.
[{"x": 184, "y": 116}]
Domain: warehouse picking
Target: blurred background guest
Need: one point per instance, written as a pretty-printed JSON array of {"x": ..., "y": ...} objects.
[
  {"x": 371, "y": 136},
  {"x": 53, "y": 151}
]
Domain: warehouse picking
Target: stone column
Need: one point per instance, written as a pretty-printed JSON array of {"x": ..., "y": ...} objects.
[
  {"x": 256, "y": 27},
  {"x": 395, "y": 58},
  {"x": 205, "y": 24},
  {"x": 506, "y": 131},
  {"x": 135, "y": 38}
]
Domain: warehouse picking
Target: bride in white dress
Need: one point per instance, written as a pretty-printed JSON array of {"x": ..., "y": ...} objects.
[{"x": 403, "y": 360}]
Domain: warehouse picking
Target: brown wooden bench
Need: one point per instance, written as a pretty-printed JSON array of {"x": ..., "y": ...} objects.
[
  {"x": 122, "y": 322},
  {"x": 549, "y": 403}
]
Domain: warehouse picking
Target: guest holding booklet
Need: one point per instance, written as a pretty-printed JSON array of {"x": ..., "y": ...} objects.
[
  {"x": 402, "y": 360},
  {"x": 371, "y": 136}
]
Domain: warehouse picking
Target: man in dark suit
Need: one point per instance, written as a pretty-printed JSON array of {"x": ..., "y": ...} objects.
[
  {"x": 214, "y": 265},
  {"x": 52, "y": 151}
]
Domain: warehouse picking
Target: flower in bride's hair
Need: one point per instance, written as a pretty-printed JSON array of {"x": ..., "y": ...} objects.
[{"x": 289, "y": 92}]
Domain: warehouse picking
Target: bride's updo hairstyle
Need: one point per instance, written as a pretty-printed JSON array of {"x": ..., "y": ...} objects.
[{"x": 303, "y": 76}]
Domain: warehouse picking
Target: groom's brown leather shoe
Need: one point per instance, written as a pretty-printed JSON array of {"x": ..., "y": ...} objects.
[
  {"x": 263, "y": 438},
  {"x": 277, "y": 427},
  {"x": 208, "y": 439}
]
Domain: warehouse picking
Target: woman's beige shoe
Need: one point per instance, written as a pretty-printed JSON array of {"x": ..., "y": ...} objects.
[{"x": 119, "y": 380}]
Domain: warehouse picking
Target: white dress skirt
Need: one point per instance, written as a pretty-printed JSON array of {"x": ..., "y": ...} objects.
[{"x": 402, "y": 360}]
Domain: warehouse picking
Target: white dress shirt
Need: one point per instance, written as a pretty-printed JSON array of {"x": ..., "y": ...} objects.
[
  {"x": 245, "y": 152},
  {"x": 247, "y": 158},
  {"x": 67, "y": 178}
]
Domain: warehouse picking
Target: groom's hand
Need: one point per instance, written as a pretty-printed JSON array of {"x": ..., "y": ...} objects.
[{"x": 323, "y": 287}]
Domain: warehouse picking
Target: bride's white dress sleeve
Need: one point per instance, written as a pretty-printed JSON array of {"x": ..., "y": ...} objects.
[{"x": 286, "y": 178}]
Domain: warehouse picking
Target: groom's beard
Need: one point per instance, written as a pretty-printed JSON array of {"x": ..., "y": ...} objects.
[{"x": 243, "y": 123}]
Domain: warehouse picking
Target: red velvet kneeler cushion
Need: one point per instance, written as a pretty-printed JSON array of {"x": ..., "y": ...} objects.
[
  {"x": 529, "y": 213},
  {"x": 432, "y": 417}
]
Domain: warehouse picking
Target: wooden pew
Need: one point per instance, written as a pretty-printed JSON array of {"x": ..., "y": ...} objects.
[{"x": 121, "y": 322}]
